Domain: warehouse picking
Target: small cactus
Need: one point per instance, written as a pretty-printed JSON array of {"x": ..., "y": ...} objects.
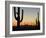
[
  {"x": 37, "y": 20},
  {"x": 18, "y": 16}
]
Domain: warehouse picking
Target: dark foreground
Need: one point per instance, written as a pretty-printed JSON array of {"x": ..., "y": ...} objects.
[{"x": 25, "y": 27}]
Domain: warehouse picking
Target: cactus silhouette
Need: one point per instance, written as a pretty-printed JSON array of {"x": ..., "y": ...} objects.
[
  {"x": 37, "y": 20},
  {"x": 17, "y": 15}
]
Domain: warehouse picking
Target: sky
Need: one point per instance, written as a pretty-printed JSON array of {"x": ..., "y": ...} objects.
[{"x": 30, "y": 14}]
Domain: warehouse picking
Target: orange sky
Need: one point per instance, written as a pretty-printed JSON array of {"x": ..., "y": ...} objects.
[{"x": 14, "y": 22}]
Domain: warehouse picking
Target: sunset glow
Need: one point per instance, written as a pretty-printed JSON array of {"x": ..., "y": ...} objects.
[
  {"x": 14, "y": 22},
  {"x": 29, "y": 17}
]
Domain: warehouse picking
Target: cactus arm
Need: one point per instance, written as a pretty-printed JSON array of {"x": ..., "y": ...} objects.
[
  {"x": 21, "y": 16},
  {"x": 15, "y": 13}
]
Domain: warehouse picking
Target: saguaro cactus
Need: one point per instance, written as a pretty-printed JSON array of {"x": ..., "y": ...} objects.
[
  {"x": 18, "y": 16},
  {"x": 37, "y": 20}
]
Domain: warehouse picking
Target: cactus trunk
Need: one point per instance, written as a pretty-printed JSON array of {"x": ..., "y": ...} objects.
[{"x": 18, "y": 21}]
